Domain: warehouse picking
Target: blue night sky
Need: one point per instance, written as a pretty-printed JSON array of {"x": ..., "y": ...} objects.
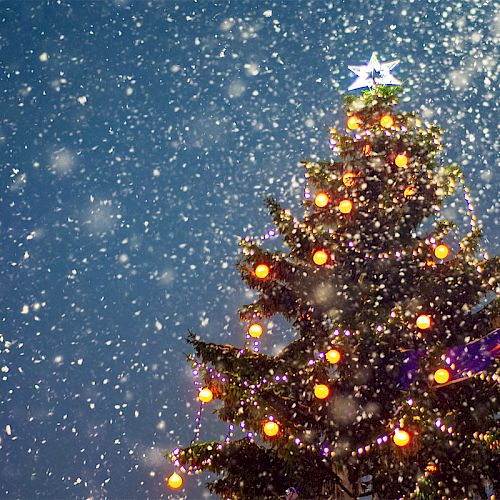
[{"x": 138, "y": 141}]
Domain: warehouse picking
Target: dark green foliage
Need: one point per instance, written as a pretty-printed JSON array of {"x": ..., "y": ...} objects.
[{"x": 258, "y": 473}]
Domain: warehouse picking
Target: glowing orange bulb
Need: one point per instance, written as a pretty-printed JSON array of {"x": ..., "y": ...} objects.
[
  {"x": 442, "y": 251},
  {"x": 262, "y": 271},
  {"x": 431, "y": 468},
  {"x": 175, "y": 481},
  {"x": 401, "y": 438},
  {"x": 255, "y": 330},
  {"x": 320, "y": 257},
  {"x": 349, "y": 179},
  {"x": 321, "y": 391},
  {"x": 345, "y": 206},
  {"x": 424, "y": 321},
  {"x": 333, "y": 356},
  {"x": 410, "y": 191},
  {"x": 205, "y": 395},
  {"x": 441, "y": 376},
  {"x": 271, "y": 428},
  {"x": 387, "y": 121},
  {"x": 353, "y": 122},
  {"x": 321, "y": 200},
  {"x": 401, "y": 160},
  {"x": 367, "y": 149}
]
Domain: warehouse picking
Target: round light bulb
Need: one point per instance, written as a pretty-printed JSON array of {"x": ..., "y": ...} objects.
[
  {"x": 387, "y": 121},
  {"x": 321, "y": 200},
  {"x": 262, "y": 271},
  {"x": 410, "y": 191},
  {"x": 333, "y": 356},
  {"x": 175, "y": 481},
  {"x": 349, "y": 179},
  {"x": 255, "y": 330},
  {"x": 401, "y": 160},
  {"x": 441, "y": 376},
  {"x": 321, "y": 391},
  {"x": 424, "y": 321},
  {"x": 431, "y": 468},
  {"x": 401, "y": 438},
  {"x": 442, "y": 251},
  {"x": 353, "y": 122},
  {"x": 320, "y": 257},
  {"x": 205, "y": 395},
  {"x": 345, "y": 206},
  {"x": 271, "y": 428}
]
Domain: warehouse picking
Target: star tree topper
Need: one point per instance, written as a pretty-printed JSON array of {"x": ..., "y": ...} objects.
[{"x": 374, "y": 73}]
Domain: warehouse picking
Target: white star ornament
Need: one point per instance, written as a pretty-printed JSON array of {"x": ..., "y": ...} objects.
[{"x": 374, "y": 73}]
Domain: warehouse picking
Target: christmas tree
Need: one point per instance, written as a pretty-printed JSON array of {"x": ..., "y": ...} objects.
[{"x": 391, "y": 378}]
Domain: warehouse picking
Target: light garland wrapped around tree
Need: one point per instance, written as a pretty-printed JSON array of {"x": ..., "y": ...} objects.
[{"x": 391, "y": 374}]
